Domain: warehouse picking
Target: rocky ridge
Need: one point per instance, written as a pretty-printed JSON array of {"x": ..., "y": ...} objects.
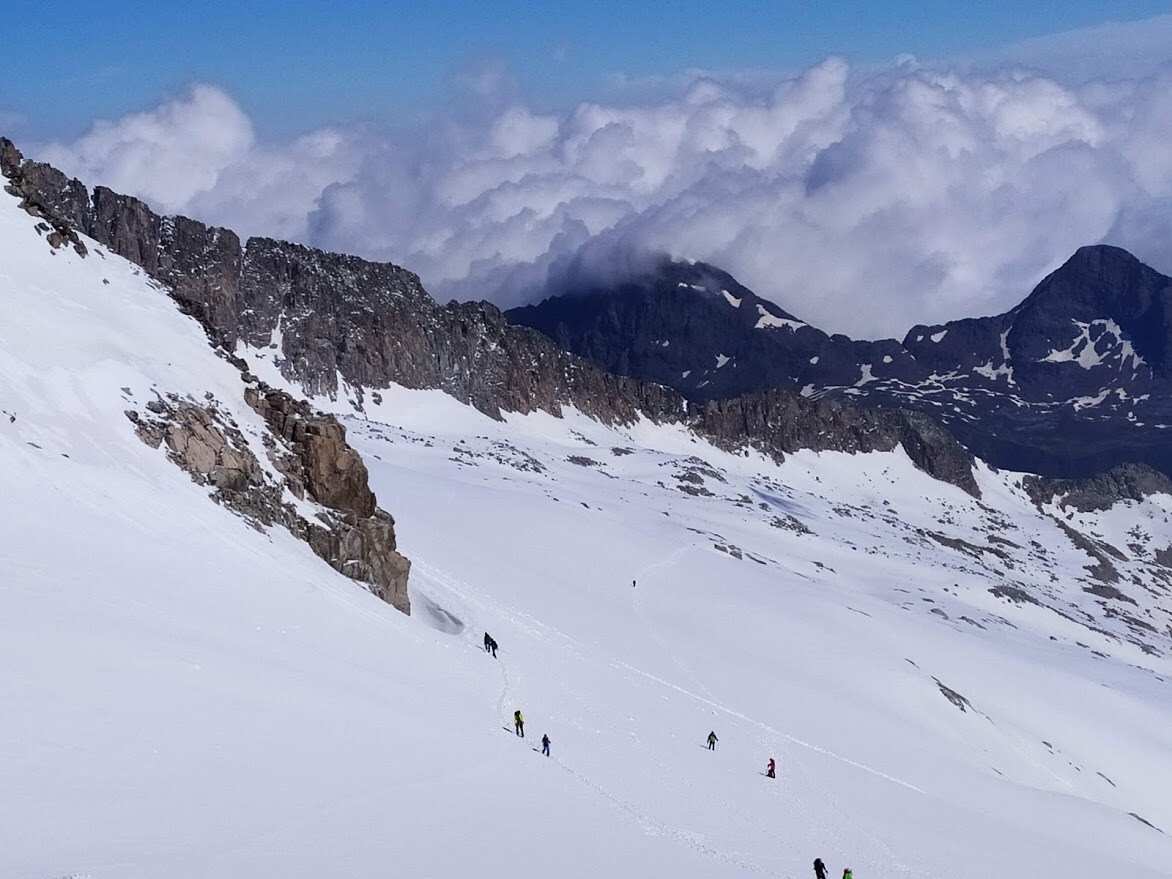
[
  {"x": 1074, "y": 381},
  {"x": 337, "y": 319},
  {"x": 307, "y": 450},
  {"x": 1131, "y": 482}
]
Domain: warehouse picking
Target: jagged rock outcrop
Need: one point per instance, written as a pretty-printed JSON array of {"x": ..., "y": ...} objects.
[
  {"x": 782, "y": 421},
  {"x": 332, "y": 472},
  {"x": 373, "y": 324},
  {"x": 1127, "y": 482},
  {"x": 203, "y": 442},
  {"x": 354, "y": 536}
]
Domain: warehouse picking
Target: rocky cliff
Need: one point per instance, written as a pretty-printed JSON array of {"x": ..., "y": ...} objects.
[
  {"x": 1128, "y": 482},
  {"x": 336, "y": 317},
  {"x": 787, "y": 422}
]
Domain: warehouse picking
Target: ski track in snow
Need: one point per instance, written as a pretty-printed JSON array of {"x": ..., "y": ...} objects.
[
  {"x": 706, "y": 698},
  {"x": 652, "y": 826},
  {"x": 618, "y": 663},
  {"x": 637, "y": 606}
]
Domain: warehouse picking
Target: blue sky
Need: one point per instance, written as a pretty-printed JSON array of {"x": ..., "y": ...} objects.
[
  {"x": 489, "y": 146},
  {"x": 296, "y": 64}
]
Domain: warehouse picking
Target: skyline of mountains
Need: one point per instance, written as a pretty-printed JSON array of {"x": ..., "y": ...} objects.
[{"x": 1071, "y": 382}]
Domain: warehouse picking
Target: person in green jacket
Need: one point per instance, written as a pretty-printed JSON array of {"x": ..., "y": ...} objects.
[
  {"x": 847, "y": 874},
  {"x": 712, "y": 740},
  {"x": 519, "y": 722}
]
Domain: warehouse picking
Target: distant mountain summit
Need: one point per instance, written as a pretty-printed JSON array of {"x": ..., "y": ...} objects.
[{"x": 1075, "y": 380}]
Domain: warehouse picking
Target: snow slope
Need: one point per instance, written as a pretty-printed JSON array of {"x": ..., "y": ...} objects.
[{"x": 187, "y": 697}]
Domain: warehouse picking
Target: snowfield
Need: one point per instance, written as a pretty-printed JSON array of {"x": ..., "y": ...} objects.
[{"x": 186, "y": 697}]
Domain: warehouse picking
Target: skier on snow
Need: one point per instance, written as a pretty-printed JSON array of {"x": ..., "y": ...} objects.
[
  {"x": 545, "y": 744},
  {"x": 819, "y": 869},
  {"x": 771, "y": 770},
  {"x": 519, "y": 723},
  {"x": 712, "y": 740}
]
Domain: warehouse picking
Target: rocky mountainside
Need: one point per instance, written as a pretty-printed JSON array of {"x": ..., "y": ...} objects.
[
  {"x": 1075, "y": 380},
  {"x": 339, "y": 326},
  {"x": 302, "y": 475}
]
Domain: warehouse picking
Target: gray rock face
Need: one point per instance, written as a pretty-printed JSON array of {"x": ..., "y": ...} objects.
[
  {"x": 1126, "y": 482},
  {"x": 331, "y": 470},
  {"x": 202, "y": 443},
  {"x": 782, "y": 421},
  {"x": 358, "y": 540},
  {"x": 374, "y": 324},
  {"x": 364, "y": 549}
]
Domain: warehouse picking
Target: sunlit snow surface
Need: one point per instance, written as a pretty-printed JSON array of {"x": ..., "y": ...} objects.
[{"x": 186, "y": 697}]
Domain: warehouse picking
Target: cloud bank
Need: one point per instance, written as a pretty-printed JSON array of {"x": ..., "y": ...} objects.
[{"x": 862, "y": 201}]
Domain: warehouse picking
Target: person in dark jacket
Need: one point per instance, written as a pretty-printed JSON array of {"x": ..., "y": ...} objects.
[
  {"x": 819, "y": 869},
  {"x": 492, "y": 646},
  {"x": 519, "y": 722},
  {"x": 545, "y": 744},
  {"x": 712, "y": 740},
  {"x": 771, "y": 769},
  {"x": 487, "y": 642}
]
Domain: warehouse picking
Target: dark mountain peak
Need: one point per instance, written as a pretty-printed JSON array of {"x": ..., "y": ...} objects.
[
  {"x": 1071, "y": 382},
  {"x": 1105, "y": 258},
  {"x": 684, "y": 324},
  {"x": 1101, "y": 292},
  {"x": 1098, "y": 281}
]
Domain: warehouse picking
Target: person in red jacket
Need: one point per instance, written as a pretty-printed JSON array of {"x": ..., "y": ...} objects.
[{"x": 771, "y": 771}]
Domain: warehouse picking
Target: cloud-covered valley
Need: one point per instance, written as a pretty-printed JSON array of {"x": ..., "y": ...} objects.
[{"x": 864, "y": 201}]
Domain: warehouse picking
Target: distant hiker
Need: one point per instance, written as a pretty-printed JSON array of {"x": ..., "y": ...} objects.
[
  {"x": 493, "y": 645},
  {"x": 545, "y": 744},
  {"x": 632, "y": 584},
  {"x": 519, "y": 723},
  {"x": 847, "y": 874},
  {"x": 712, "y": 740},
  {"x": 771, "y": 770},
  {"x": 487, "y": 642},
  {"x": 819, "y": 869}
]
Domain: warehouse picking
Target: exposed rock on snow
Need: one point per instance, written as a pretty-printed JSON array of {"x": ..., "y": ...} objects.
[
  {"x": 781, "y": 421},
  {"x": 331, "y": 470},
  {"x": 361, "y": 542},
  {"x": 1126, "y": 482},
  {"x": 202, "y": 267},
  {"x": 354, "y": 536}
]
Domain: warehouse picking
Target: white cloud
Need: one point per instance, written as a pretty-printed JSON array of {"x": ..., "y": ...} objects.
[
  {"x": 863, "y": 202},
  {"x": 1108, "y": 51},
  {"x": 168, "y": 155}
]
